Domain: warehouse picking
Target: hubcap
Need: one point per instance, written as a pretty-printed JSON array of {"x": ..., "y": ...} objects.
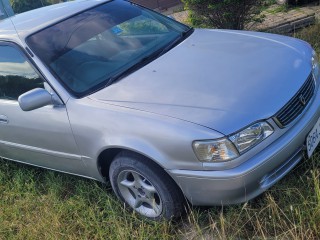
[{"x": 139, "y": 193}]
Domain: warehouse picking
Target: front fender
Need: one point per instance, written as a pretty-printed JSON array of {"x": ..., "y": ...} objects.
[{"x": 167, "y": 141}]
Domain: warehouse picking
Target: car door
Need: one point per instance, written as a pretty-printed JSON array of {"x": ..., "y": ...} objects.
[{"x": 40, "y": 137}]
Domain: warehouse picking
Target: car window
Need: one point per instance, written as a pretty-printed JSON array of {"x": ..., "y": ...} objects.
[{"x": 16, "y": 74}]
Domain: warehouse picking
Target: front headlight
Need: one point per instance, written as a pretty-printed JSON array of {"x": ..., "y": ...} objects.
[
  {"x": 215, "y": 150},
  {"x": 221, "y": 150},
  {"x": 315, "y": 65},
  {"x": 251, "y": 136}
]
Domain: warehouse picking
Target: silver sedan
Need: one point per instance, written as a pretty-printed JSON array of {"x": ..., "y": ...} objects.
[{"x": 109, "y": 90}]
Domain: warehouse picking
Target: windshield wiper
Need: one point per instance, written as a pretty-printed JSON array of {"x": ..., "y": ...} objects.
[
  {"x": 143, "y": 61},
  {"x": 152, "y": 56},
  {"x": 175, "y": 42}
]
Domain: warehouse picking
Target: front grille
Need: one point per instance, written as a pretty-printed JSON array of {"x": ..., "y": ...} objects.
[{"x": 297, "y": 104}]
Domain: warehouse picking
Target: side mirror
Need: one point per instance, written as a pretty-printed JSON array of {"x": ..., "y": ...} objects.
[{"x": 35, "y": 98}]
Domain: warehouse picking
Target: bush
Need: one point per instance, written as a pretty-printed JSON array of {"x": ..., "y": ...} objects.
[
  {"x": 225, "y": 14},
  {"x": 20, "y": 6}
]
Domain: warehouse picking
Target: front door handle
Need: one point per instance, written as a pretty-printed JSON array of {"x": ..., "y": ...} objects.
[{"x": 3, "y": 119}]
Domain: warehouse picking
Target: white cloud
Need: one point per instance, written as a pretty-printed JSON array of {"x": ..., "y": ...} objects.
[{"x": 22, "y": 69}]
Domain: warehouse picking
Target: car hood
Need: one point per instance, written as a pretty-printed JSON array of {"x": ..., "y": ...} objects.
[{"x": 224, "y": 80}]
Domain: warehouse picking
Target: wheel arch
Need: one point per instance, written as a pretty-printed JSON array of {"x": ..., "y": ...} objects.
[{"x": 107, "y": 155}]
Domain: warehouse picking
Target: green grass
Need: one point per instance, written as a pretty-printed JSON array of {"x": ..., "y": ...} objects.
[
  {"x": 42, "y": 204},
  {"x": 278, "y": 9},
  {"x": 311, "y": 35}
]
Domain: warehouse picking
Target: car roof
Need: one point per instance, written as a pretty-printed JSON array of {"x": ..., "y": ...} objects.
[{"x": 32, "y": 21}]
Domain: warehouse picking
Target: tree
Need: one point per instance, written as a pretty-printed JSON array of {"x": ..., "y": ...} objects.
[
  {"x": 225, "y": 14},
  {"x": 20, "y": 6}
]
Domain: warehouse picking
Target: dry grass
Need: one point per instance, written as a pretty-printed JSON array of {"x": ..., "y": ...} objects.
[
  {"x": 41, "y": 204},
  {"x": 310, "y": 35},
  {"x": 290, "y": 210}
]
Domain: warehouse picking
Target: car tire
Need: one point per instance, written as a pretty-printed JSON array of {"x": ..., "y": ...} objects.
[{"x": 145, "y": 188}]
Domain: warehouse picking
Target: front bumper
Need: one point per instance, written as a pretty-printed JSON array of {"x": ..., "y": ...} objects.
[{"x": 255, "y": 175}]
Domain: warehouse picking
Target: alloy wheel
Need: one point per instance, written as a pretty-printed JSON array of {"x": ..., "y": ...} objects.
[{"x": 139, "y": 193}]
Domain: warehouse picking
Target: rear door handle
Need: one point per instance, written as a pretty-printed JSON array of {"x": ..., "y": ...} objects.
[{"x": 3, "y": 119}]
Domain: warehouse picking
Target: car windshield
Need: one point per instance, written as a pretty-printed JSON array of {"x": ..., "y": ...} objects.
[{"x": 89, "y": 50}]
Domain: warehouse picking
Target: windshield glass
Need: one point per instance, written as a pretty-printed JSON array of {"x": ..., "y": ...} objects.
[{"x": 87, "y": 51}]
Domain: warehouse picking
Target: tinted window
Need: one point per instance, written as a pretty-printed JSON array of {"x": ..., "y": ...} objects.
[
  {"x": 16, "y": 74},
  {"x": 88, "y": 50}
]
